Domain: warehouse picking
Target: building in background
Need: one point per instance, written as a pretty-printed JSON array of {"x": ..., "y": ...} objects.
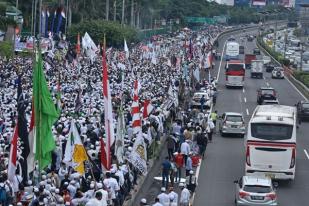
[
  {"x": 258, "y": 3},
  {"x": 298, "y": 3},
  {"x": 225, "y": 2},
  {"x": 287, "y": 3}
]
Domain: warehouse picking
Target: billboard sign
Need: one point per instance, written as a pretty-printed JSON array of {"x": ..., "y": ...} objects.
[{"x": 259, "y": 2}]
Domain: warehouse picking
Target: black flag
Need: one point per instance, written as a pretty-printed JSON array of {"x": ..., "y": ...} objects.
[{"x": 22, "y": 129}]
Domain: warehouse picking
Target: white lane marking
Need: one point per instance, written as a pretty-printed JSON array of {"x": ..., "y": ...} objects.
[
  {"x": 243, "y": 90},
  {"x": 247, "y": 111},
  {"x": 299, "y": 92},
  {"x": 267, "y": 84},
  {"x": 222, "y": 54},
  {"x": 306, "y": 153},
  {"x": 264, "y": 77},
  {"x": 245, "y": 99}
]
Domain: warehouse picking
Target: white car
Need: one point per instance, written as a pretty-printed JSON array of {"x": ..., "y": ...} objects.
[
  {"x": 277, "y": 73},
  {"x": 232, "y": 123},
  {"x": 195, "y": 102},
  {"x": 255, "y": 191}
]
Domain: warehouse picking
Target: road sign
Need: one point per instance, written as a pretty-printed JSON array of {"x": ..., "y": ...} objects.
[{"x": 200, "y": 20}]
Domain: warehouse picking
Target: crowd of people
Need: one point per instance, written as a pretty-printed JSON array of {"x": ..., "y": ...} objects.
[{"x": 165, "y": 69}]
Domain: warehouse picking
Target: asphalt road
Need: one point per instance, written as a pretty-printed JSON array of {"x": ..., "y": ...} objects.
[{"x": 225, "y": 157}]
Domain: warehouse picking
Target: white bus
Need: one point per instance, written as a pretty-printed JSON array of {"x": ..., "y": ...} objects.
[
  {"x": 232, "y": 50},
  {"x": 271, "y": 142}
]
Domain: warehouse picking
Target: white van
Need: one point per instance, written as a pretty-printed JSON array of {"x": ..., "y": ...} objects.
[{"x": 271, "y": 142}]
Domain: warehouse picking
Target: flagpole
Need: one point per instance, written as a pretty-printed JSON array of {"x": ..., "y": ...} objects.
[
  {"x": 38, "y": 131},
  {"x": 108, "y": 129}
]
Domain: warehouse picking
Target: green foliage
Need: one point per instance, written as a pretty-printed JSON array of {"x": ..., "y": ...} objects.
[
  {"x": 115, "y": 33},
  {"x": 5, "y": 22},
  {"x": 303, "y": 77},
  {"x": 6, "y": 49},
  {"x": 2, "y": 9},
  {"x": 278, "y": 56}
]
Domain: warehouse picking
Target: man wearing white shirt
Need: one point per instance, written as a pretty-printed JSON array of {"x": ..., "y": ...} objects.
[
  {"x": 185, "y": 195},
  {"x": 112, "y": 186},
  {"x": 95, "y": 201},
  {"x": 157, "y": 202},
  {"x": 185, "y": 150},
  {"x": 164, "y": 198},
  {"x": 173, "y": 196},
  {"x": 104, "y": 194}
]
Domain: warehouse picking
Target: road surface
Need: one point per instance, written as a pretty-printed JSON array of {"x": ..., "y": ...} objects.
[{"x": 225, "y": 157}]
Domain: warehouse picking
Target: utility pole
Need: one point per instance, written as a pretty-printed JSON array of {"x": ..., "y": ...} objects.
[
  {"x": 122, "y": 13},
  {"x": 275, "y": 34},
  {"x": 285, "y": 41},
  {"x": 16, "y": 4},
  {"x": 301, "y": 56}
]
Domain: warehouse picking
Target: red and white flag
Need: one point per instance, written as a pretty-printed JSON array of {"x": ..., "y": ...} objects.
[
  {"x": 13, "y": 156},
  {"x": 136, "y": 119},
  {"x": 30, "y": 158},
  {"x": 108, "y": 116},
  {"x": 147, "y": 108}
]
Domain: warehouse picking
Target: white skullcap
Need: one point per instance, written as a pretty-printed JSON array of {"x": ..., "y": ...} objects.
[{"x": 100, "y": 185}]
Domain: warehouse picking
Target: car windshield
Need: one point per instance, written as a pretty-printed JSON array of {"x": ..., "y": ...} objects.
[
  {"x": 267, "y": 91},
  {"x": 306, "y": 105},
  {"x": 233, "y": 118},
  {"x": 257, "y": 188},
  {"x": 235, "y": 67},
  {"x": 268, "y": 131}
]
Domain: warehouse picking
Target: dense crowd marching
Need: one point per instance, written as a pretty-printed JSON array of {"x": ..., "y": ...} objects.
[{"x": 164, "y": 66}]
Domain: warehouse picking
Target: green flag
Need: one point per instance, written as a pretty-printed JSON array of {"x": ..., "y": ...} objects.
[{"x": 45, "y": 115}]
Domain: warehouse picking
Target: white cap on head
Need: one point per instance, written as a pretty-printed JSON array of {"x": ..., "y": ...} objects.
[
  {"x": 181, "y": 184},
  {"x": 100, "y": 185},
  {"x": 163, "y": 189},
  {"x": 144, "y": 201}
]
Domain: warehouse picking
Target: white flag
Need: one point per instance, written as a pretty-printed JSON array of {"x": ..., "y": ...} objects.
[
  {"x": 119, "y": 143},
  {"x": 126, "y": 49}
]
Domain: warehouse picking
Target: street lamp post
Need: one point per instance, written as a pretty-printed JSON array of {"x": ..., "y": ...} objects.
[{"x": 285, "y": 41}]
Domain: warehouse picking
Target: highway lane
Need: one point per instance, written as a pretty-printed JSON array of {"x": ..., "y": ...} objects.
[{"x": 225, "y": 157}]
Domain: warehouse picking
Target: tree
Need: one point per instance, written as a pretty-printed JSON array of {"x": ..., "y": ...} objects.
[
  {"x": 115, "y": 32},
  {"x": 6, "y": 49}
]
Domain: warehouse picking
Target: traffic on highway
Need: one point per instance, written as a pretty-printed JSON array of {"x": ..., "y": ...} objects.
[{"x": 259, "y": 154}]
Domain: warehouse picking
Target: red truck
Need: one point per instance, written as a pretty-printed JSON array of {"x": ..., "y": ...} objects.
[{"x": 248, "y": 59}]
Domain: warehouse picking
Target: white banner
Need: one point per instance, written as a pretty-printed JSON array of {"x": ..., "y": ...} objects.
[{"x": 138, "y": 156}]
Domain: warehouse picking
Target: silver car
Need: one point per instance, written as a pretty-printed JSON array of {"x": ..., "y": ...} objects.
[
  {"x": 255, "y": 191},
  {"x": 232, "y": 123}
]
